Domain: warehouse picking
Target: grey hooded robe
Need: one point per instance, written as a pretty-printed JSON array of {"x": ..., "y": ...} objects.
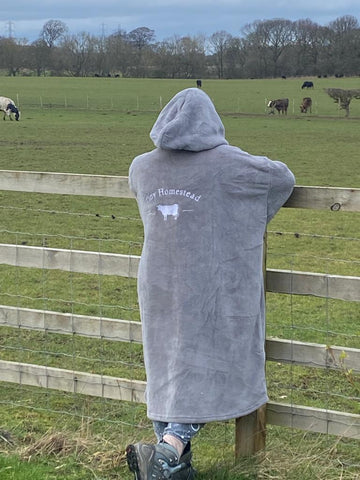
[{"x": 204, "y": 206}]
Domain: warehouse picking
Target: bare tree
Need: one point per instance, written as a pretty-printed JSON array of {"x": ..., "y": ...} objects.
[
  {"x": 235, "y": 58},
  {"x": 343, "y": 97},
  {"x": 270, "y": 38},
  {"x": 40, "y": 56},
  {"x": 168, "y": 57},
  {"x": 79, "y": 54},
  {"x": 306, "y": 47},
  {"x": 119, "y": 53},
  {"x": 219, "y": 42},
  {"x": 12, "y": 55},
  {"x": 345, "y": 43},
  {"x": 52, "y": 31},
  {"x": 192, "y": 60},
  {"x": 343, "y": 25},
  {"x": 266, "y": 48},
  {"x": 141, "y": 37}
]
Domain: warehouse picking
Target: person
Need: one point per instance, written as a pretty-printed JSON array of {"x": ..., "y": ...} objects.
[{"x": 204, "y": 205}]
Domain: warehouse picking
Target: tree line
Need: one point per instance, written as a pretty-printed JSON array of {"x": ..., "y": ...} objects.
[{"x": 265, "y": 49}]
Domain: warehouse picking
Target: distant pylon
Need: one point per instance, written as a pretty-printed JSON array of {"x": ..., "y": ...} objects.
[{"x": 10, "y": 28}]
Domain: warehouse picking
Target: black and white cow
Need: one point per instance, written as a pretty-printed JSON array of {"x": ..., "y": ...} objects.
[
  {"x": 9, "y": 108},
  {"x": 307, "y": 84},
  {"x": 281, "y": 105}
]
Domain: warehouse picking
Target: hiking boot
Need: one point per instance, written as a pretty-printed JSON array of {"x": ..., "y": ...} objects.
[
  {"x": 155, "y": 462},
  {"x": 188, "y": 472}
]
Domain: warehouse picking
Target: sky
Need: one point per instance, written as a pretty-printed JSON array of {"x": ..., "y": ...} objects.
[{"x": 24, "y": 19}]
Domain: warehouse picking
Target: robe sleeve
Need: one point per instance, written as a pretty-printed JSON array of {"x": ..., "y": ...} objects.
[
  {"x": 131, "y": 180},
  {"x": 281, "y": 185}
]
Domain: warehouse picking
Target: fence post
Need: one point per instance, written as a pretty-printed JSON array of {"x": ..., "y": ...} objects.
[
  {"x": 250, "y": 430},
  {"x": 250, "y": 433}
]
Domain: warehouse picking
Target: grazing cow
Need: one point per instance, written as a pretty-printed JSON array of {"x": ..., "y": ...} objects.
[
  {"x": 198, "y": 83},
  {"x": 305, "y": 105},
  {"x": 281, "y": 105},
  {"x": 169, "y": 210},
  {"x": 307, "y": 85},
  {"x": 8, "y": 107}
]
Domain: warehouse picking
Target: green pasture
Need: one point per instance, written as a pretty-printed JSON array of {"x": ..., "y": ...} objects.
[
  {"x": 97, "y": 126},
  {"x": 119, "y": 94},
  {"x": 112, "y": 118}
]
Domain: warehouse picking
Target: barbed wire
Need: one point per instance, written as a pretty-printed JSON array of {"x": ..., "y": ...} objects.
[
  {"x": 66, "y": 302},
  {"x": 312, "y": 235},
  {"x": 74, "y": 357},
  {"x": 132, "y": 243},
  {"x": 317, "y": 257},
  {"x": 78, "y": 214},
  {"x": 315, "y": 330},
  {"x": 138, "y": 219},
  {"x": 71, "y": 237},
  {"x": 315, "y": 391},
  {"x": 81, "y": 414}
]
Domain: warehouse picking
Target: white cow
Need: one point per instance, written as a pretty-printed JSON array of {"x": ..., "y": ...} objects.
[
  {"x": 8, "y": 107},
  {"x": 169, "y": 210}
]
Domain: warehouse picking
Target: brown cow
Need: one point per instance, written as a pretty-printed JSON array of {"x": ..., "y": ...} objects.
[
  {"x": 280, "y": 104},
  {"x": 305, "y": 105}
]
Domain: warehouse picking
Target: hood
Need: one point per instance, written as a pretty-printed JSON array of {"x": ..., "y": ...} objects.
[{"x": 188, "y": 122}]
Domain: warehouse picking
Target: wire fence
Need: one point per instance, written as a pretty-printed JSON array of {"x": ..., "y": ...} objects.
[
  {"x": 318, "y": 320},
  {"x": 128, "y": 102},
  {"x": 34, "y": 292}
]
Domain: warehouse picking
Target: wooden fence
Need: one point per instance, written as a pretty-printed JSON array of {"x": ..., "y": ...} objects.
[{"x": 250, "y": 430}]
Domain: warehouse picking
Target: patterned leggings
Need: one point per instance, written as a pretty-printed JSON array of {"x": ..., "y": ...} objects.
[{"x": 183, "y": 431}]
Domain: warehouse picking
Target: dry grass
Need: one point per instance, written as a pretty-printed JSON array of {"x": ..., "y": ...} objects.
[
  {"x": 82, "y": 446},
  {"x": 56, "y": 444},
  {"x": 7, "y": 440},
  {"x": 306, "y": 460},
  {"x": 106, "y": 460},
  {"x": 304, "y": 456}
]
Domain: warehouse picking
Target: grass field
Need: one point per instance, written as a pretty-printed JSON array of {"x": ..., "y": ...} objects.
[{"x": 97, "y": 126}]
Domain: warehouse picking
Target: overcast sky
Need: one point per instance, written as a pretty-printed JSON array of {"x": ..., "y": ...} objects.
[{"x": 25, "y": 18}]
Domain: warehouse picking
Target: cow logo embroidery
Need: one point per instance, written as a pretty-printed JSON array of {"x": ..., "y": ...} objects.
[{"x": 169, "y": 210}]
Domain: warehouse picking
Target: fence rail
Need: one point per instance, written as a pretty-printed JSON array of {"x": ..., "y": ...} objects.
[
  {"x": 323, "y": 198},
  {"x": 295, "y": 416},
  {"x": 277, "y": 281},
  {"x": 277, "y": 350},
  {"x": 65, "y": 184},
  {"x": 281, "y": 281}
]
